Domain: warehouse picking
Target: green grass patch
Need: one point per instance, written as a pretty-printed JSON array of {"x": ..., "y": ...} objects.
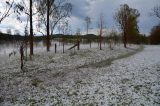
[
  {"x": 134, "y": 51},
  {"x": 58, "y": 74},
  {"x": 109, "y": 61},
  {"x": 137, "y": 88},
  {"x": 35, "y": 82}
]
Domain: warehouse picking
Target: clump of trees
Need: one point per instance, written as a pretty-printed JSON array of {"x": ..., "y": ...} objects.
[
  {"x": 155, "y": 35},
  {"x": 50, "y": 12},
  {"x": 155, "y": 31},
  {"x": 127, "y": 19},
  {"x": 10, "y": 38}
]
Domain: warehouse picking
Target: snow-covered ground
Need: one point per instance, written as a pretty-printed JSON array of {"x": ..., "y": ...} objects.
[
  {"x": 87, "y": 77},
  {"x": 39, "y": 47}
]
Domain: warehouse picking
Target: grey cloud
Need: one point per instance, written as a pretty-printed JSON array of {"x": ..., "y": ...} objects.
[
  {"x": 80, "y": 8},
  {"x": 109, "y": 7}
]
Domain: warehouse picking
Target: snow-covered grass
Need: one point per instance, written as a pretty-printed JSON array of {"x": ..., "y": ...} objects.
[{"x": 79, "y": 78}]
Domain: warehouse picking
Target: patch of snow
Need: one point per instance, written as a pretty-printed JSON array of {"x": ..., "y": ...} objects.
[{"x": 61, "y": 79}]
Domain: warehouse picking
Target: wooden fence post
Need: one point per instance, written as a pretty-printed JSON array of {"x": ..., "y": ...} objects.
[
  {"x": 55, "y": 48},
  {"x": 22, "y": 56},
  {"x": 63, "y": 43},
  {"x": 78, "y": 45}
]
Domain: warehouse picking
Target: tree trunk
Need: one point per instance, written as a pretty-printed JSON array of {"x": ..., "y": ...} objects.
[
  {"x": 48, "y": 39},
  {"x": 87, "y": 28},
  {"x": 100, "y": 38},
  {"x": 55, "y": 48},
  {"x": 125, "y": 39},
  {"x": 22, "y": 56},
  {"x": 78, "y": 45},
  {"x": 31, "y": 30},
  {"x": 26, "y": 45},
  {"x": 125, "y": 31}
]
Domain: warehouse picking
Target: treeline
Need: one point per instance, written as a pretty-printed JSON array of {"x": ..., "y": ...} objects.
[
  {"x": 155, "y": 35},
  {"x": 7, "y": 37},
  {"x": 138, "y": 39}
]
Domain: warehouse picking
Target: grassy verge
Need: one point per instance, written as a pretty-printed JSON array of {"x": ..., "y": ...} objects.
[
  {"x": 130, "y": 53},
  {"x": 110, "y": 60}
]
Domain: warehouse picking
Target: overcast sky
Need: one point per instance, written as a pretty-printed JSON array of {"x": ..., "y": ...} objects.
[{"x": 93, "y": 8}]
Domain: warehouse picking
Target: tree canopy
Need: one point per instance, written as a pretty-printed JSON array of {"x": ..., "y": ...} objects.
[
  {"x": 155, "y": 35},
  {"x": 127, "y": 19}
]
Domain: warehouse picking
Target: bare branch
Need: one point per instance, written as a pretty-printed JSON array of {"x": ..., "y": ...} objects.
[{"x": 6, "y": 12}]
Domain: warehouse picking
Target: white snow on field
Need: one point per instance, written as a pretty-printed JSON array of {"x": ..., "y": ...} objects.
[
  {"x": 79, "y": 78},
  {"x": 39, "y": 47}
]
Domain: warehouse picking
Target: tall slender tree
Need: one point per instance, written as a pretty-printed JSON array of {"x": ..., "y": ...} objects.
[
  {"x": 31, "y": 30},
  {"x": 88, "y": 22},
  {"x": 27, "y": 8},
  {"x": 101, "y": 27},
  {"x": 48, "y": 39},
  {"x": 50, "y": 13}
]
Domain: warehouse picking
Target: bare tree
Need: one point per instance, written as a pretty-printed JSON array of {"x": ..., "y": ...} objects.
[
  {"x": 101, "y": 26},
  {"x": 64, "y": 26},
  {"x": 88, "y": 22},
  {"x": 6, "y": 12},
  {"x": 156, "y": 11},
  {"x": 57, "y": 10},
  {"x": 27, "y": 8}
]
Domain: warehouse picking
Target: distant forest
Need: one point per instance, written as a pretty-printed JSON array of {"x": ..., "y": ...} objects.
[
  {"x": 8, "y": 37},
  {"x": 141, "y": 39}
]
